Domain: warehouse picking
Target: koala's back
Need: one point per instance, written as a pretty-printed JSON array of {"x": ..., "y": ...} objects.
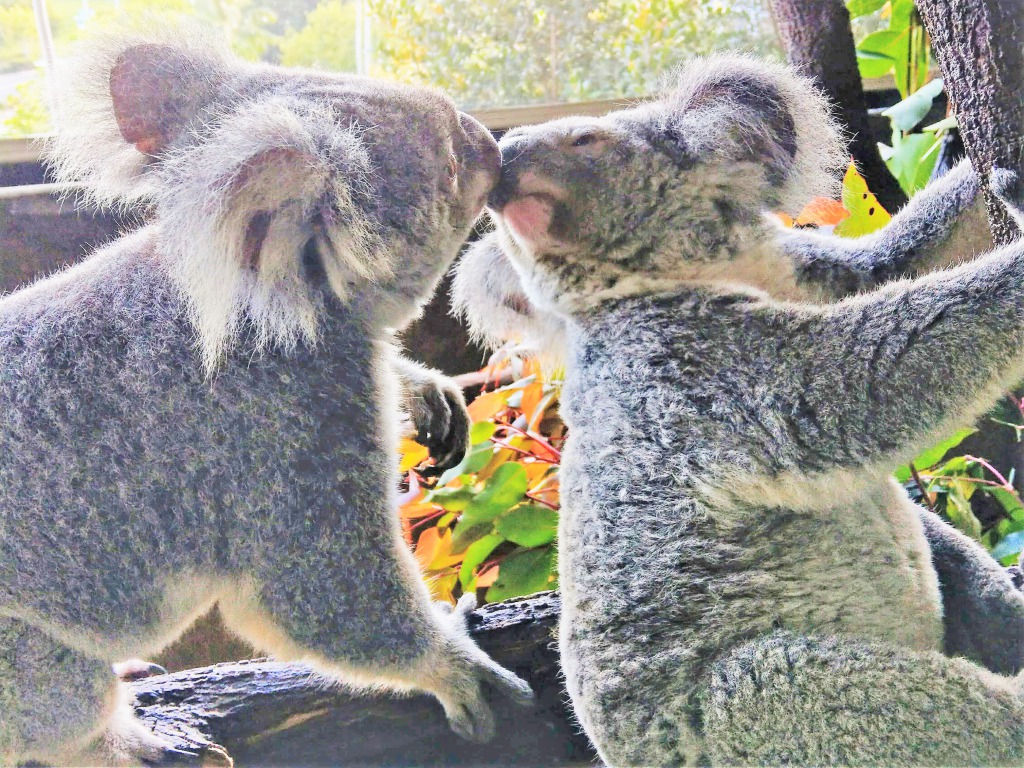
[
  {"x": 666, "y": 408},
  {"x": 123, "y": 470}
]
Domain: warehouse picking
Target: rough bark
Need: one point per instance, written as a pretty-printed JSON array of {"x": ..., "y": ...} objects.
[
  {"x": 267, "y": 713},
  {"x": 818, "y": 41},
  {"x": 979, "y": 45}
]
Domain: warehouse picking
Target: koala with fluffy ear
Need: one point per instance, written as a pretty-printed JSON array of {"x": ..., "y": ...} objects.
[
  {"x": 206, "y": 410},
  {"x": 982, "y": 610},
  {"x": 743, "y": 582}
]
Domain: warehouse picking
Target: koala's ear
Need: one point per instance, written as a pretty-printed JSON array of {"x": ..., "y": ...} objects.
[
  {"x": 118, "y": 101},
  {"x": 742, "y": 109},
  {"x": 155, "y": 91}
]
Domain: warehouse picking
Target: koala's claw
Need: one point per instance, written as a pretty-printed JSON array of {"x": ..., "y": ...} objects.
[
  {"x": 136, "y": 669},
  {"x": 442, "y": 425}
]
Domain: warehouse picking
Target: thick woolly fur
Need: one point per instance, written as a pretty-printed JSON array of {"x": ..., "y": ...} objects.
[
  {"x": 742, "y": 581},
  {"x": 136, "y": 488}
]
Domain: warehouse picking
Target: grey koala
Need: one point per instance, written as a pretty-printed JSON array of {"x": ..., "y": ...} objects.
[
  {"x": 206, "y": 410},
  {"x": 743, "y": 582},
  {"x": 982, "y": 610}
]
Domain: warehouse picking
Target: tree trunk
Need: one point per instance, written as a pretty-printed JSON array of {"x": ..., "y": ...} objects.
[
  {"x": 979, "y": 45},
  {"x": 818, "y": 41},
  {"x": 271, "y": 713}
]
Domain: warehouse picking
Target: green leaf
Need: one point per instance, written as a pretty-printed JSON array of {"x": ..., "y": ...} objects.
[
  {"x": 906, "y": 114},
  {"x": 523, "y": 573},
  {"x": 475, "y": 555},
  {"x": 858, "y": 8},
  {"x": 1009, "y": 501},
  {"x": 912, "y": 160},
  {"x": 503, "y": 490},
  {"x": 466, "y": 535},
  {"x": 878, "y": 52},
  {"x": 481, "y": 432},
  {"x": 945, "y": 124},
  {"x": 452, "y": 499},
  {"x": 874, "y": 65},
  {"x": 529, "y": 525},
  {"x": 934, "y": 455},
  {"x": 960, "y": 514}
]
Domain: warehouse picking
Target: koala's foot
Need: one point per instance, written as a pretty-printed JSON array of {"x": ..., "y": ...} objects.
[
  {"x": 459, "y": 675},
  {"x": 438, "y": 412},
  {"x": 1008, "y": 187},
  {"x": 136, "y": 669}
]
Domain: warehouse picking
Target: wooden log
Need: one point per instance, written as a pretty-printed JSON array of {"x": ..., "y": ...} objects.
[{"x": 271, "y": 713}]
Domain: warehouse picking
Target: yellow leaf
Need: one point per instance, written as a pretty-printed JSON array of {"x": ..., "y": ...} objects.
[
  {"x": 866, "y": 213},
  {"x": 413, "y": 454},
  {"x": 488, "y": 405}
]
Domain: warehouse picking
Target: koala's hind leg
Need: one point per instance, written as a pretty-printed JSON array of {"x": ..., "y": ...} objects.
[
  {"x": 788, "y": 699},
  {"x": 59, "y": 705}
]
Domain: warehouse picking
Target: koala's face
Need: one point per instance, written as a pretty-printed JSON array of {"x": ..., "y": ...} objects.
[{"x": 649, "y": 198}]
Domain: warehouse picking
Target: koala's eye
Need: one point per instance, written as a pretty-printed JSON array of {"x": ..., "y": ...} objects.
[
  {"x": 453, "y": 167},
  {"x": 585, "y": 139}
]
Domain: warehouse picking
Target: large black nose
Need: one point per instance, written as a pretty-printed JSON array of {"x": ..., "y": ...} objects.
[{"x": 512, "y": 150}]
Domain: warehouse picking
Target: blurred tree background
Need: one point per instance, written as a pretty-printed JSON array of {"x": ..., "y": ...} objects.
[{"x": 485, "y": 53}]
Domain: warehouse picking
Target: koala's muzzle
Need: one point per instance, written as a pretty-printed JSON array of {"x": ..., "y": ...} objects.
[{"x": 481, "y": 154}]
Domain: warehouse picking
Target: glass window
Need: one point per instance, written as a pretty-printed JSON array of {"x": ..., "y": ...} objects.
[{"x": 485, "y": 53}]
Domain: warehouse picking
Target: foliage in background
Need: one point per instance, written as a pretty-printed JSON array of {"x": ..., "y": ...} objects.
[
  {"x": 485, "y": 53},
  {"x": 533, "y": 51},
  {"x": 901, "y": 49},
  {"x": 489, "y": 524}
]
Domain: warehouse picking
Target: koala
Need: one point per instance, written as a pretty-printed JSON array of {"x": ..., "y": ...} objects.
[
  {"x": 206, "y": 410},
  {"x": 982, "y": 609},
  {"x": 742, "y": 580}
]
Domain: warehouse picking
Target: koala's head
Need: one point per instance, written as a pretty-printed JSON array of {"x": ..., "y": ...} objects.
[
  {"x": 275, "y": 190},
  {"x": 671, "y": 191}
]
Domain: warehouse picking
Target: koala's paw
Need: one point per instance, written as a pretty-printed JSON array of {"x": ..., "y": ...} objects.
[
  {"x": 438, "y": 412},
  {"x": 1008, "y": 187},
  {"x": 136, "y": 669},
  {"x": 460, "y": 691}
]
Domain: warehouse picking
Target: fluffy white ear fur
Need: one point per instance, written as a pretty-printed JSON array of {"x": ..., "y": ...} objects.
[
  {"x": 740, "y": 107},
  {"x": 88, "y": 145},
  {"x": 241, "y": 183},
  {"x": 237, "y": 209}
]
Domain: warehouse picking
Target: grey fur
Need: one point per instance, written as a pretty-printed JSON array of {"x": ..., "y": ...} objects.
[
  {"x": 983, "y": 612},
  {"x": 206, "y": 411},
  {"x": 742, "y": 580}
]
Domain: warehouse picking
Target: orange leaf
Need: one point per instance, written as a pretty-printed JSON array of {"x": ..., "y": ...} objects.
[
  {"x": 823, "y": 212},
  {"x": 488, "y": 405},
  {"x": 532, "y": 396},
  {"x": 535, "y": 470},
  {"x": 427, "y": 546},
  {"x": 499, "y": 458},
  {"x": 417, "y": 509},
  {"x": 785, "y": 218},
  {"x": 443, "y": 557},
  {"x": 488, "y": 577}
]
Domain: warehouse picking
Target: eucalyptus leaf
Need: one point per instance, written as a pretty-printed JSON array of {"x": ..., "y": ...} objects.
[
  {"x": 523, "y": 573},
  {"x": 476, "y": 554},
  {"x": 504, "y": 489},
  {"x": 529, "y": 525},
  {"x": 1009, "y": 546},
  {"x": 934, "y": 455}
]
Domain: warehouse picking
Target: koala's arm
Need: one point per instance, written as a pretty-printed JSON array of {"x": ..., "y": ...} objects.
[
  {"x": 885, "y": 374},
  {"x": 943, "y": 224},
  {"x": 982, "y": 610},
  {"x": 437, "y": 408}
]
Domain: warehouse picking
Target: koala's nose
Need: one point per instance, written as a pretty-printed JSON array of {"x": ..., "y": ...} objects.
[
  {"x": 512, "y": 147},
  {"x": 484, "y": 155}
]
